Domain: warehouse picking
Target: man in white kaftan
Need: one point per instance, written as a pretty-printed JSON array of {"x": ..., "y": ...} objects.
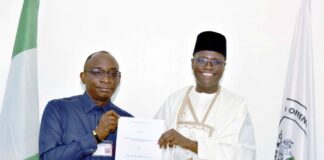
[
  {"x": 206, "y": 121},
  {"x": 223, "y": 132}
]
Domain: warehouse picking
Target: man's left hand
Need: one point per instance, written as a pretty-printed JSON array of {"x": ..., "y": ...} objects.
[{"x": 172, "y": 137}]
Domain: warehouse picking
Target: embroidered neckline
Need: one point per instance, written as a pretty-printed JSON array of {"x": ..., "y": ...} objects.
[{"x": 187, "y": 103}]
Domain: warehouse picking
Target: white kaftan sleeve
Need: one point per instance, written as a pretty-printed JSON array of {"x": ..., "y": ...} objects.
[{"x": 236, "y": 142}]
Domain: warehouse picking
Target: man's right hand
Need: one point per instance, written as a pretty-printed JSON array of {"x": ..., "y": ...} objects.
[{"x": 108, "y": 123}]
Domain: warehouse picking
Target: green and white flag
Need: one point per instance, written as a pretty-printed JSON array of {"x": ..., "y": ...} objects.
[
  {"x": 19, "y": 118},
  {"x": 296, "y": 137}
]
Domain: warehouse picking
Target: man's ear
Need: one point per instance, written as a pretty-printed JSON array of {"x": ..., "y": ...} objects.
[
  {"x": 118, "y": 82},
  {"x": 82, "y": 77},
  {"x": 192, "y": 64}
]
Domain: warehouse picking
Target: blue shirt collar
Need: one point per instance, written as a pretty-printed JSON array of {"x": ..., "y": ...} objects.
[{"x": 89, "y": 105}]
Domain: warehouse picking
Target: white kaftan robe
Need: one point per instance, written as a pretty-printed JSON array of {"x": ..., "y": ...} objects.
[{"x": 223, "y": 130}]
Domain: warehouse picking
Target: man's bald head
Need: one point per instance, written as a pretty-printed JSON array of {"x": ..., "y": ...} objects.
[
  {"x": 94, "y": 54},
  {"x": 98, "y": 78}
]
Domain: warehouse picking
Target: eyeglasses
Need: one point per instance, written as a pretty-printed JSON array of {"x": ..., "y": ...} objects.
[
  {"x": 201, "y": 61},
  {"x": 100, "y": 73}
]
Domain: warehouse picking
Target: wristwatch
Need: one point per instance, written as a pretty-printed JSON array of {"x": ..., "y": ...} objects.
[{"x": 96, "y": 136}]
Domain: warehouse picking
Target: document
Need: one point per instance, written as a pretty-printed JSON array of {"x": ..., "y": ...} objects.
[{"x": 137, "y": 139}]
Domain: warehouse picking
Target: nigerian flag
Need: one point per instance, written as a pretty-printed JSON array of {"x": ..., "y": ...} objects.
[{"x": 19, "y": 122}]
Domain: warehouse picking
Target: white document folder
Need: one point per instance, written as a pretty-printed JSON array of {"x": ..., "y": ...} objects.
[{"x": 137, "y": 139}]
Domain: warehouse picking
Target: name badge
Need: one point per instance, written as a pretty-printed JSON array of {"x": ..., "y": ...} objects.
[{"x": 104, "y": 149}]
